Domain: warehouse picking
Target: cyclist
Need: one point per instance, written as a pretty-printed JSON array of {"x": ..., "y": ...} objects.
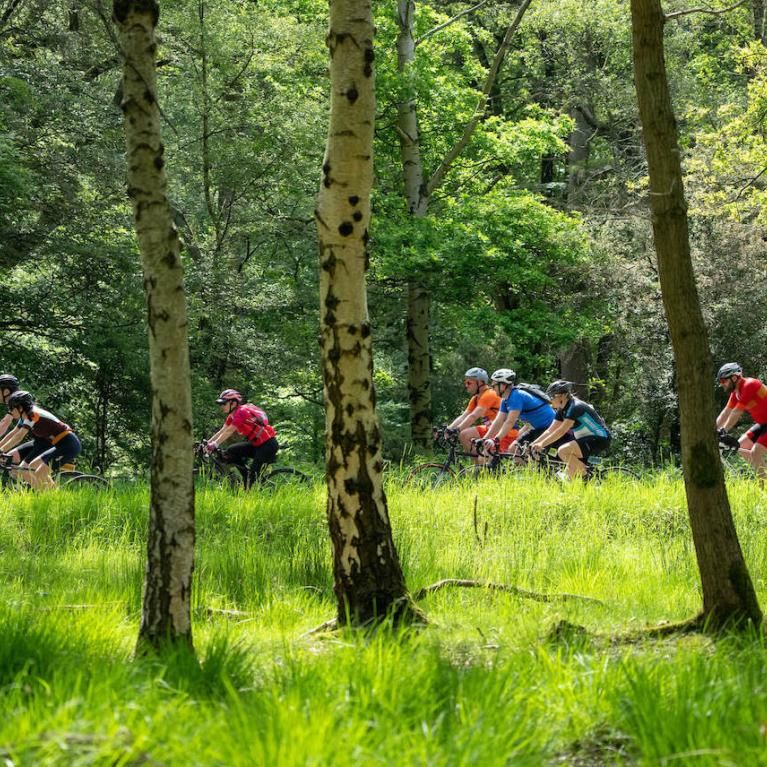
[
  {"x": 517, "y": 404},
  {"x": 53, "y": 442},
  {"x": 481, "y": 410},
  {"x": 747, "y": 395},
  {"x": 590, "y": 433},
  {"x": 251, "y": 422},
  {"x": 8, "y": 385}
]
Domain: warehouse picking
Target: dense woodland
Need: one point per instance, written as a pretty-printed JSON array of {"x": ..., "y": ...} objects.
[{"x": 534, "y": 251}]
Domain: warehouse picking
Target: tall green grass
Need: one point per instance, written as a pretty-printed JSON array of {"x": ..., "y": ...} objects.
[{"x": 494, "y": 679}]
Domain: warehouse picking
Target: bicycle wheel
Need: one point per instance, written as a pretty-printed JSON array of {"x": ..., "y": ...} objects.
[
  {"x": 284, "y": 477},
  {"x": 600, "y": 472},
  {"x": 429, "y": 476},
  {"x": 76, "y": 479}
]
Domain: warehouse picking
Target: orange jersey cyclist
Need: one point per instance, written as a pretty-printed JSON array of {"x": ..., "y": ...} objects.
[
  {"x": 590, "y": 433},
  {"x": 251, "y": 422},
  {"x": 480, "y": 412},
  {"x": 747, "y": 395},
  {"x": 53, "y": 442}
]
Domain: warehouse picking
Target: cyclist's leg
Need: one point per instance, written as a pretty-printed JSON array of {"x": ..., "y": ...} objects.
[
  {"x": 31, "y": 450},
  {"x": 64, "y": 451},
  {"x": 757, "y": 454},
  {"x": 574, "y": 459},
  {"x": 586, "y": 447},
  {"x": 238, "y": 455},
  {"x": 263, "y": 455},
  {"x": 467, "y": 435}
]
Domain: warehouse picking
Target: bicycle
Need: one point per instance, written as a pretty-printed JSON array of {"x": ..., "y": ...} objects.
[
  {"x": 432, "y": 474},
  {"x": 521, "y": 458},
  {"x": 734, "y": 466},
  {"x": 65, "y": 476},
  {"x": 213, "y": 468}
]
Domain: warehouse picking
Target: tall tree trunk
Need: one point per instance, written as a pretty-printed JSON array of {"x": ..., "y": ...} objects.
[
  {"x": 166, "y": 616},
  {"x": 369, "y": 583},
  {"x": 728, "y": 593},
  {"x": 574, "y": 365},
  {"x": 759, "y": 8},
  {"x": 418, "y": 193}
]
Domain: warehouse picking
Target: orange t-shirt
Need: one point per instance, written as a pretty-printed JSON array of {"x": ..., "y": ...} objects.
[
  {"x": 750, "y": 396},
  {"x": 489, "y": 400}
]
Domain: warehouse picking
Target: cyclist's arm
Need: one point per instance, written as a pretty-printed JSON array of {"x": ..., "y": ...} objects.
[
  {"x": 728, "y": 418},
  {"x": 496, "y": 426},
  {"x": 511, "y": 419},
  {"x": 13, "y": 438},
  {"x": 458, "y": 423},
  {"x": 5, "y": 423},
  {"x": 557, "y": 430},
  {"x": 223, "y": 434}
]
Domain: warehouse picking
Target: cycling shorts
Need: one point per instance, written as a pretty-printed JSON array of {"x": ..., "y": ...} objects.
[
  {"x": 64, "y": 451},
  {"x": 758, "y": 434},
  {"x": 592, "y": 445},
  {"x": 506, "y": 441}
]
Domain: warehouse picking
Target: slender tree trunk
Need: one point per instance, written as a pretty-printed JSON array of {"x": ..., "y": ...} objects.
[
  {"x": 728, "y": 593},
  {"x": 758, "y": 7},
  {"x": 418, "y": 193},
  {"x": 166, "y": 616},
  {"x": 369, "y": 583}
]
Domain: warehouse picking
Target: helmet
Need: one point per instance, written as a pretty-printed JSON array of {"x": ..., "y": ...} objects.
[
  {"x": 229, "y": 395},
  {"x": 729, "y": 369},
  {"x": 504, "y": 375},
  {"x": 477, "y": 373},
  {"x": 559, "y": 387},
  {"x": 20, "y": 399},
  {"x": 8, "y": 381}
]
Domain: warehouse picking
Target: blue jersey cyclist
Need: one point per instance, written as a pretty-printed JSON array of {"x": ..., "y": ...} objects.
[
  {"x": 517, "y": 404},
  {"x": 590, "y": 433}
]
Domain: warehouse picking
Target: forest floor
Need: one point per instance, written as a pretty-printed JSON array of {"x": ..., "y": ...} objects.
[{"x": 494, "y": 679}]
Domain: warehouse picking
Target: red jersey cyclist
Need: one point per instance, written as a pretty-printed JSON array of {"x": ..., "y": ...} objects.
[
  {"x": 481, "y": 410},
  {"x": 251, "y": 422},
  {"x": 747, "y": 395},
  {"x": 53, "y": 442}
]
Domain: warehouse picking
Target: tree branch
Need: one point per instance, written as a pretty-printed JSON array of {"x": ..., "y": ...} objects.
[
  {"x": 462, "y": 583},
  {"x": 455, "y": 18},
  {"x": 679, "y": 14},
  {"x": 439, "y": 175}
]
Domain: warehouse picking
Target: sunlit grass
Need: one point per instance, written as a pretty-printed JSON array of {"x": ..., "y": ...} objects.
[{"x": 495, "y": 679}]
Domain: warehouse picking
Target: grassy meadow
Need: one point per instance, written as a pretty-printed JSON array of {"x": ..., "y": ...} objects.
[{"x": 494, "y": 679}]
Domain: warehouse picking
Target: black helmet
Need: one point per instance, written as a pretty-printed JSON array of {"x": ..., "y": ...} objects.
[
  {"x": 559, "y": 387},
  {"x": 729, "y": 369},
  {"x": 20, "y": 399},
  {"x": 8, "y": 381}
]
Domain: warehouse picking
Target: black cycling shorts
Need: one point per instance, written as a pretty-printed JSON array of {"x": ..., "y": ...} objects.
[{"x": 592, "y": 445}]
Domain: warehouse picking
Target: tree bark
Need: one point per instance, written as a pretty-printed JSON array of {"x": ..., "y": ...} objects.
[
  {"x": 728, "y": 593},
  {"x": 369, "y": 583},
  {"x": 166, "y": 615}
]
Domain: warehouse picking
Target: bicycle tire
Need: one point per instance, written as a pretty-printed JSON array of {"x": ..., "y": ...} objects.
[
  {"x": 284, "y": 476},
  {"x": 429, "y": 476},
  {"x": 600, "y": 472},
  {"x": 68, "y": 479}
]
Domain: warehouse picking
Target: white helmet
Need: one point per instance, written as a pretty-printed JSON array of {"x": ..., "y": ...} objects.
[{"x": 504, "y": 375}]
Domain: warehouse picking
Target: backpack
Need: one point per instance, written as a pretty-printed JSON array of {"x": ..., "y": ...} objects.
[{"x": 535, "y": 390}]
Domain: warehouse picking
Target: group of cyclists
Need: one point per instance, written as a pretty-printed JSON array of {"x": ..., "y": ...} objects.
[
  {"x": 34, "y": 440},
  {"x": 504, "y": 416}
]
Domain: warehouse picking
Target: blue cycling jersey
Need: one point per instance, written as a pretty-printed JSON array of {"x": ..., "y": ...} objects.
[
  {"x": 532, "y": 409},
  {"x": 588, "y": 423}
]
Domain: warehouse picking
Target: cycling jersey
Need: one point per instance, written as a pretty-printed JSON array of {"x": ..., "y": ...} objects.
[
  {"x": 488, "y": 400},
  {"x": 588, "y": 423},
  {"x": 532, "y": 409},
  {"x": 252, "y": 423},
  {"x": 44, "y": 425},
  {"x": 750, "y": 395}
]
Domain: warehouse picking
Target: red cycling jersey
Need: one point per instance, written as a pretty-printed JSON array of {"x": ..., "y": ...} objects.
[
  {"x": 252, "y": 423},
  {"x": 750, "y": 395}
]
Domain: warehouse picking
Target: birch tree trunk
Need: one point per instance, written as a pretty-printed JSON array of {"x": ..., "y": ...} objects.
[
  {"x": 728, "y": 593},
  {"x": 166, "y": 615},
  {"x": 369, "y": 583}
]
